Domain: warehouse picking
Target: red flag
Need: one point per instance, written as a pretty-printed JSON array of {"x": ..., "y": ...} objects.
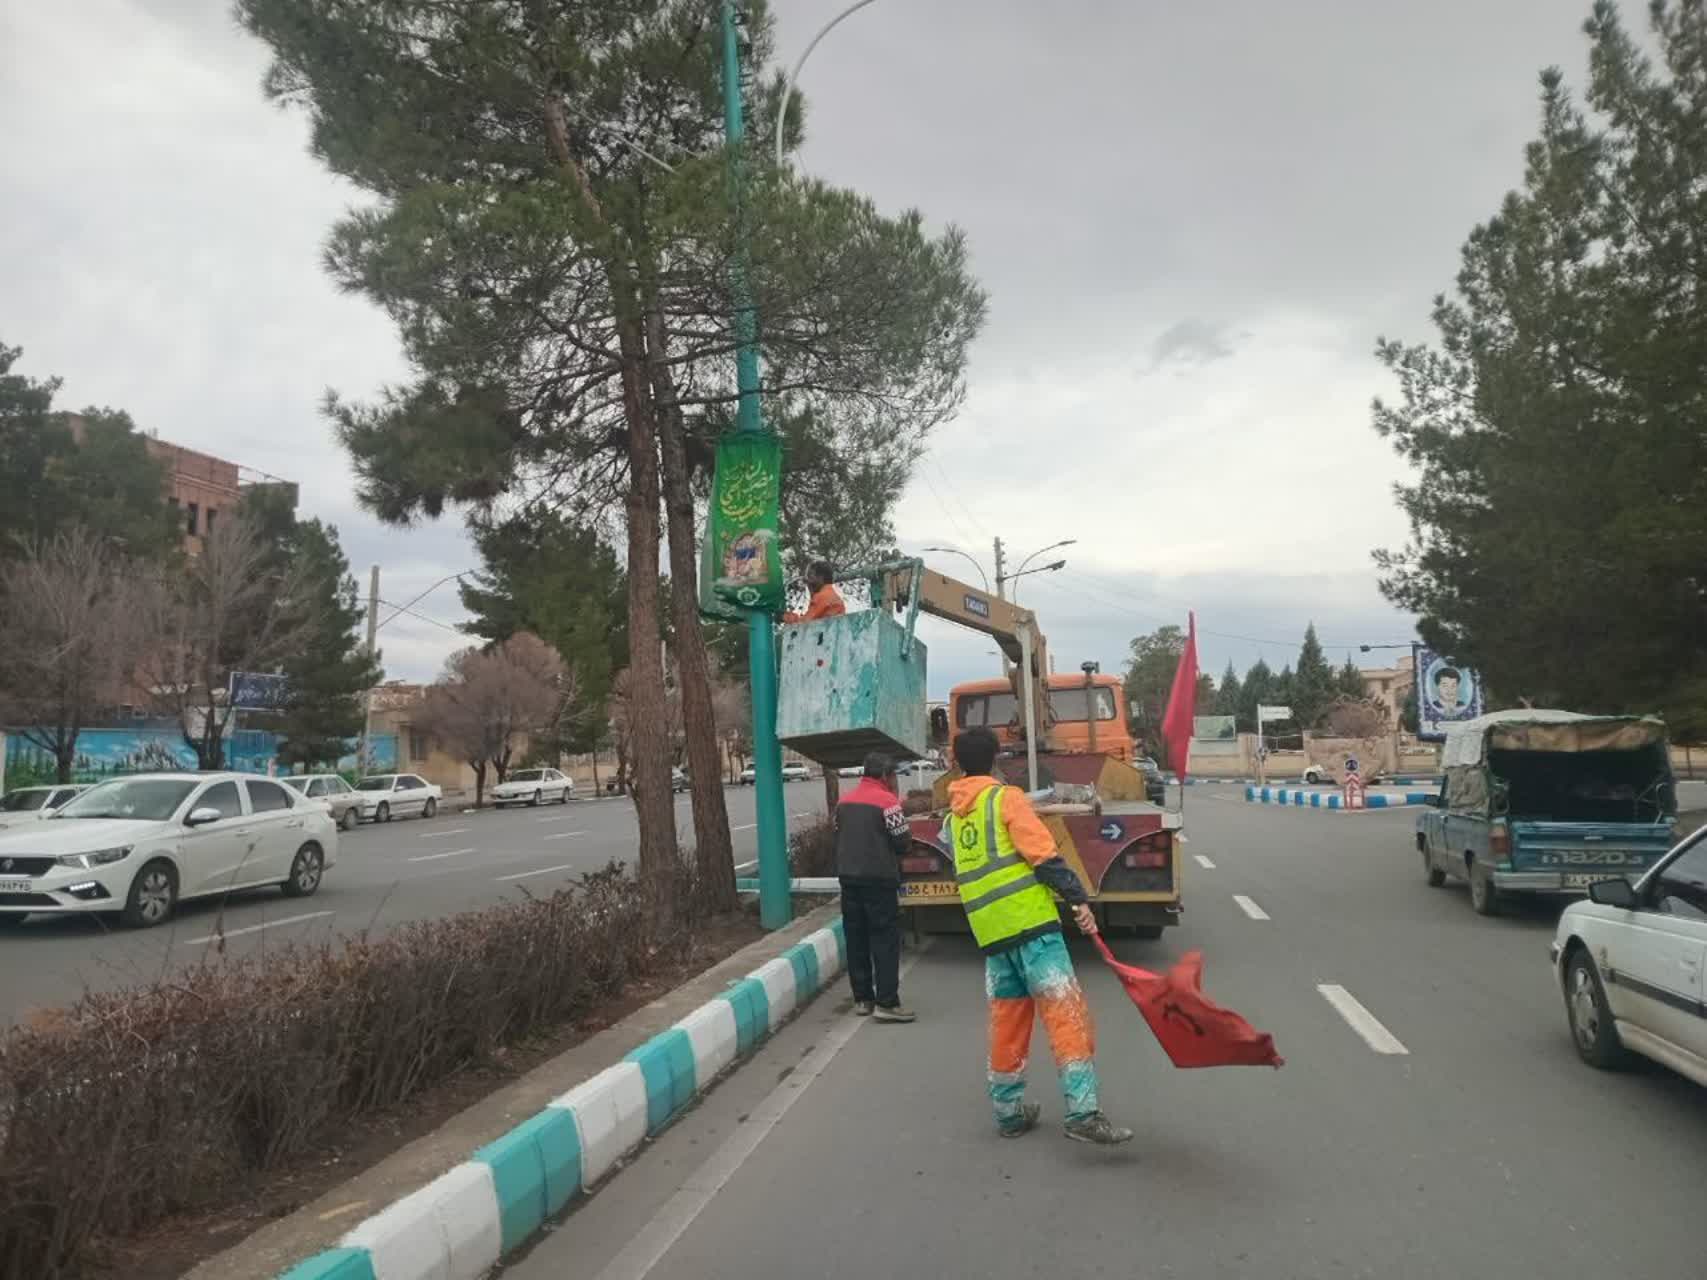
[
  {"x": 1182, "y": 706},
  {"x": 1193, "y": 1029}
]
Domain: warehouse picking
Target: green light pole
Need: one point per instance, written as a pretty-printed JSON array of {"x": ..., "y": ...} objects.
[{"x": 775, "y": 904}]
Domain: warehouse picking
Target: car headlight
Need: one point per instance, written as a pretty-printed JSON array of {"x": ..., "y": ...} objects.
[{"x": 99, "y": 858}]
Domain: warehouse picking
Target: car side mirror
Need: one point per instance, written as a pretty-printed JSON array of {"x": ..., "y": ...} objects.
[
  {"x": 1613, "y": 893},
  {"x": 1432, "y": 801},
  {"x": 202, "y": 817}
]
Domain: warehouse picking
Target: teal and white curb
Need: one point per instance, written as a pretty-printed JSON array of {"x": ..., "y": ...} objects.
[
  {"x": 463, "y": 1223},
  {"x": 1331, "y": 799}
]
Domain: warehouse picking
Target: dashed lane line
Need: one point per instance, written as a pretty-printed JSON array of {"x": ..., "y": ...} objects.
[
  {"x": 1250, "y": 908},
  {"x": 1365, "y": 1023}
]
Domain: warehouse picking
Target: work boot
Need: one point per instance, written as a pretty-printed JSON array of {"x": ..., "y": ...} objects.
[
  {"x": 894, "y": 1013},
  {"x": 863, "y": 1008},
  {"x": 1098, "y": 1130},
  {"x": 1025, "y": 1124}
]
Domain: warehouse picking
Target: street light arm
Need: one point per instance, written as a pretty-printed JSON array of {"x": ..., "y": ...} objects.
[
  {"x": 1065, "y": 542},
  {"x": 788, "y": 89},
  {"x": 955, "y": 551},
  {"x": 404, "y": 608}
]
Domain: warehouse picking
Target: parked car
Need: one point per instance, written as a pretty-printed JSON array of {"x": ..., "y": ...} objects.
[
  {"x": 1630, "y": 963},
  {"x": 139, "y": 845},
  {"x": 679, "y": 780},
  {"x": 332, "y": 791},
  {"x": 533, "y": 786},
  {"x": 1155, "y": 781},
  {"x": 851, "y": 771},
  {"x": 396, "y": 795},
  {"x": 1538, "y": 801},
  {"x": 1318, "y": 774},
  {"x": 27, "y": 804},
  {"x": 796, "y": 773},
  {"x": 748, "y": 776}
]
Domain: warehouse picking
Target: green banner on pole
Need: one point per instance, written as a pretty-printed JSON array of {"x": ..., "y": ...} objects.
[{"x": 741, "y": 567}]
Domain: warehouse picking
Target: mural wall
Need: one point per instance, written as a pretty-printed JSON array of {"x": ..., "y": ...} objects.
[{"x": 102, "y": 753}]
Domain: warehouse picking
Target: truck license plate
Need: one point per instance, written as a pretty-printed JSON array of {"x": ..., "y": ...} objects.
[
  {"x": 1583, "y": 879},
  {"x": 14, "y": 886},
  {"x": 931, "y": 889}
]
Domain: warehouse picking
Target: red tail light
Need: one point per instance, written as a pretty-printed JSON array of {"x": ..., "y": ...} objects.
[
  {"x": 918, "y": 866},
  {"x": 1499, "y": 840}
]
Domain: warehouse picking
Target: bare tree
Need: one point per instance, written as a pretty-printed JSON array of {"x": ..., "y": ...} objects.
[
  {"x": 234, "y": 607},
  {"x": 489, "y": 702},
  {"x": 68, "y": 639}
]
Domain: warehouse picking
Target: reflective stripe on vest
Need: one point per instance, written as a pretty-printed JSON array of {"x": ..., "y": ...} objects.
[{"x": 1002, "y": 897}]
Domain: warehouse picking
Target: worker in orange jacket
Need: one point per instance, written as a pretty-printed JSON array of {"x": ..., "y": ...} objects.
[{"x": 826, "y": 601}]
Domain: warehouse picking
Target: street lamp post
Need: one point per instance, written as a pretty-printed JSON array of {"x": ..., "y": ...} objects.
[
  {"x": 775, "y": 904},
  {"x": 955, "y": 551},
  {"x": 1048, "y": 568},
  {"x": 794, "y": 74}
]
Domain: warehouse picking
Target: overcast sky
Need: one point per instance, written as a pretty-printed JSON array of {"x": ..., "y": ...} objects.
[{"x": 1193, "y": 222}]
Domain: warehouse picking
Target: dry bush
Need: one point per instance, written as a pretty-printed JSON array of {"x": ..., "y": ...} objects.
[
  {"x": 133, "y": 1105},
  {"x": 812, "y": 849}
]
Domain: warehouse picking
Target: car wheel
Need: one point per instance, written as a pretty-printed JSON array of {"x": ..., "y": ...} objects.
[
  {"x": 153, "y": 896},
  {"x": 431, "y": 807},
  {"x": 1484, "y": 897},
  {"x": 1592, "y": 1028},
  {"x": 349, "y": 820},
  {"x": 383, "y": 813},
  {"x": 1431, "y": 873},
  {"x": 305, "y": 872},
  {"x": 563, "y": 796},
  {"x": 534, "y": 802}
]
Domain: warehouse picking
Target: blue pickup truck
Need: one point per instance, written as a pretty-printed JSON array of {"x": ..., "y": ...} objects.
[{"x": 1548, "y": 802}]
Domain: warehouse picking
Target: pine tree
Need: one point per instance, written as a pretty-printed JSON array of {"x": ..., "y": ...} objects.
[
  {"x": 1258, "y": 689},
  {"x": 1228, "y": 695},
  {"x": 1313, "y": 683}
]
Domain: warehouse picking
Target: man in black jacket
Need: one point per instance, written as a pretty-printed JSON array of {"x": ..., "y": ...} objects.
[{"x": 871, "y": 836}]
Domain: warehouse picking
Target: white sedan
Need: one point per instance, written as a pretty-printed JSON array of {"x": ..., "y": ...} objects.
[
  {"x": 533, "y": 786},
  {"x": 1630, "y": 961},
  {"x": 31, "y": 803},
  {"x": 396, "y": 795},
  {"x": 139, "y": 845}
]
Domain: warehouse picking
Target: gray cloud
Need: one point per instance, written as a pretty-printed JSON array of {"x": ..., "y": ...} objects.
[{"x": 1192, "y": 342}]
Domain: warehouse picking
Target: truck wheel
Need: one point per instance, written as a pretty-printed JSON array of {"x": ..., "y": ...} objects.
[
  {"x": 1484, "y": 897},
  {"x": 1592, "y": 1028},
  {"x": 1433, "y": 874}
]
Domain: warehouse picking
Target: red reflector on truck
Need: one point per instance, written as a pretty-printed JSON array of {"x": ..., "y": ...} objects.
[{"x": 918, "y": 866}]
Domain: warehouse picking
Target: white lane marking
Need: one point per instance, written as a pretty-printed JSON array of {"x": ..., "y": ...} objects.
[
  {"x": 440, "y": 835},
  {"x": 564, "y": 835},
  {"x": 748, "y": 827},
  {"x": 556, "y": 817},
  {"x": 1365, "y": 1023},
  {"x": 742, "y": 866},
  {"x": 1204, "y": 862},
  {"x": 648, "y": 1247},
  {"x": 1250, "y": 908},
  {"x": 434, "y": 857},
  {"x": 543, "y": 871},
  {"x": 255, "y": 928}
]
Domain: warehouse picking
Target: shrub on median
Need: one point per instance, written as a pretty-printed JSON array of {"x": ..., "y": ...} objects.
[{"x": 132, "y": 1105}]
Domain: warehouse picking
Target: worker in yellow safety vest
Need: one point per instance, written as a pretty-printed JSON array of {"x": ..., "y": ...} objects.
[{"x": 1006, "y": 864}]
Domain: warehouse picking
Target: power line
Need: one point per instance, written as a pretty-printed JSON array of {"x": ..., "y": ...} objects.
[
  {"x": 1205, "y": 631},
  {"x": 421, "y": 617}
]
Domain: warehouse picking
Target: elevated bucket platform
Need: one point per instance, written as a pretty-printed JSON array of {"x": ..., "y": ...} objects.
[{"x": 851, "y": 685}]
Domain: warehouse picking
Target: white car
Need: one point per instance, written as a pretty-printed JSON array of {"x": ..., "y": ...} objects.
[
  {"x": 330, "y": 790},
  {"x": 396, "y": 795},
  {"x": 533, "y": 786},
  {"x": 1631, "y": 961},
  {"x": 139, "y": 845},
  {"x": 796, "y": 773},
  {"x": 26, "y": 804}
]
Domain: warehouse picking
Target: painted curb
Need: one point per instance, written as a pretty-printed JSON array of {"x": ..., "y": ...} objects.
[
  {"x": 1331, "y": 799},
  {"x": 464, "y": 1222}
]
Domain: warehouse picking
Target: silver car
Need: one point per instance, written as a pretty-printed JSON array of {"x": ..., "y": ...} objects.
[{"x": 332, "y": 791}]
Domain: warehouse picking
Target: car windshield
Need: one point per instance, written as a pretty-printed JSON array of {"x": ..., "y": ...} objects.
[
  {"x": 23, "y": 801},
  {"x": 374, "y": 784},
  {"x": 528, "y": 775},
  {"x": 295, "y": 784},
  {"x": 140, "y": 799}
]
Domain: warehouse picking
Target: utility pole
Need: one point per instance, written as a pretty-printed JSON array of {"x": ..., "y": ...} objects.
[
  {"x": 1001, "y": 594},
  {"x": 372, "y": 642},
  {"x": 776, "y": 906}
]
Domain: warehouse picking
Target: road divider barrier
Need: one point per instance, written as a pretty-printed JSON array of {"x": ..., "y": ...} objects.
[
  {"x": 1302, "y": 799},
  {"x": 464, "y": 1222}
]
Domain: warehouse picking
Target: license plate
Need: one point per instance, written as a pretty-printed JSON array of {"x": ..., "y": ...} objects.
[
  {"x": 1583, "y": 879},
  {"x": 14, "y": 886},
  {"x": 930, "y": 889}
]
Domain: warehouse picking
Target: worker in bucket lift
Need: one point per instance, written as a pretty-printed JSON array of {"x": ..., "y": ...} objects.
[
  {"x": 1006, "y": 864},
  {"x": 826, "y": 601}
]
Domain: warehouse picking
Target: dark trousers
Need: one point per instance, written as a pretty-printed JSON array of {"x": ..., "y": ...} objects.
[{"x": 871, "y": 918}]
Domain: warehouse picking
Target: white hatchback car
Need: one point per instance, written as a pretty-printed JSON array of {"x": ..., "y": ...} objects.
[
  {"x": 396, "y": 795},
  {"x": 139, "y": 845},
  {"x": 533, "y": 786},
  {"x": 1631, "y": 961}
]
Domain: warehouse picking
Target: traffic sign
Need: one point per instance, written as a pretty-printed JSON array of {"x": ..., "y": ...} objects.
[
  {"x": 1351, "y": 764},
  {"x": 1112, "y": 831}
]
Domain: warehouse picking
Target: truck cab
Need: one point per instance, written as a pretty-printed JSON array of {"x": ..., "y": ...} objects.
[{"x": 1549, "y": 802}]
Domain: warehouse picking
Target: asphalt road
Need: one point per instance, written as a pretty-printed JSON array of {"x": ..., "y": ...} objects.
[
  {"x": 1476, "y": 1145},
  {"x": 410, "y": 869}
]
